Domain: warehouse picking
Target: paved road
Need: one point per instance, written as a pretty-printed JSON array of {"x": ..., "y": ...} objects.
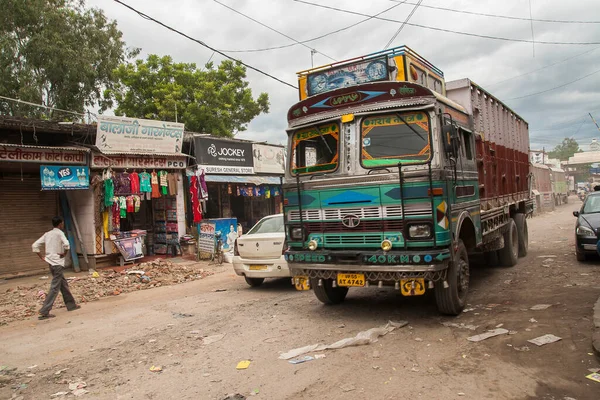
[{"x": 111, "y": 344}]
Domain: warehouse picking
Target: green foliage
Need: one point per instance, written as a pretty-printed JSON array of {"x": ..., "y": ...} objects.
[
  {"x": 57, "y": 53},
  {"x": 212, "y": 100},
  {"x": 566, "y": 149}
]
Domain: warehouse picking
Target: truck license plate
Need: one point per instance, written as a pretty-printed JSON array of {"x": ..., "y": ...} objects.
[
  {"x": 412, "y": 287},
  {"x": 301, "y": 283},
  {"x": 351, "y": 279}
]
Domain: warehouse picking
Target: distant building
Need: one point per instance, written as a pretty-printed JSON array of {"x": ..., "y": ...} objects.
[
  {"x": 538, "y": 156},
  {"x": 595, "y": 145}
]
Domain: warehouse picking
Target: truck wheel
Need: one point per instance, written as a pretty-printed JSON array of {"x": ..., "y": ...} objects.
[
  {"x": 254, "y": 282},
  {"x": 523, "y": 234},
  {"x": 327, "y": 294},
  {"x": 509, "y": 254},
  {"x": 452, "y": 300}
]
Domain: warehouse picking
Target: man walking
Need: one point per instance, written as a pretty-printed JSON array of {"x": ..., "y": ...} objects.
[{"x": 56, "y": 245}]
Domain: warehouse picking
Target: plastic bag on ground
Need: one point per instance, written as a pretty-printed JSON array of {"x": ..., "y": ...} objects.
[{"x": 361, "y": 338}]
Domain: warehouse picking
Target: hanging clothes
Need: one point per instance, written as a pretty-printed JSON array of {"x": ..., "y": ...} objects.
[
  {"x": 116, "y": 217},
  {"x": 123, "y": 207},
  {"x": 122, "y": 184},
  {"x": 137, "y": 203},
  {"x": 109, "y": 191},
  {"x": 130, "y": 204},
  {"x": 145, "y": 186},
  {"x": 194, "y": 188},
  {"x": 164, "y": 184},
  {"x": 172, "y": 179},
  {"x": 202, "y": 186},
  {"x": 105, "y": 218},
  {"x": 154, "y": 183},
  {"x": 134, "y": 178}
]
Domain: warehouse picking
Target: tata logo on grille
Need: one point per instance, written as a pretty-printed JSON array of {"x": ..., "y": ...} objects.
[{"x": 350, "y": 221}]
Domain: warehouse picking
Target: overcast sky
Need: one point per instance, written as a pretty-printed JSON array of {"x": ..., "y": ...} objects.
[{"x": 508, "y": 69}]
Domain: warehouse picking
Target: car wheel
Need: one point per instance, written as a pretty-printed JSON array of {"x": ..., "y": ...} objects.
[
  {"x": 452, "y": 300},
  {"x": 522, "y": 234},
  {"x": 326, "y": 293},
  {"x": 580, "y": 254},
  {"x": 509, "y": 254},
  {"x": 254, "y": 282}
]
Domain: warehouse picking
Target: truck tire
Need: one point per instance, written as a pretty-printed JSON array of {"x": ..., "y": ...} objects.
[
  {"x": 452, "y": 300},
  {"x": 523, "y": 233},
  {"x": 327, "y": 294},
  {"x": 254, "y": 282},
  {"x": 509, "y": 254}
]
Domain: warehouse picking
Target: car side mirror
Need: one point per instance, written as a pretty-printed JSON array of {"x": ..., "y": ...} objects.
[{"x": 576, "y": 213}]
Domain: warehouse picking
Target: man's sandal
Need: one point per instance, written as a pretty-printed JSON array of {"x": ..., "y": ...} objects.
[{"x": 46, "y": 316}]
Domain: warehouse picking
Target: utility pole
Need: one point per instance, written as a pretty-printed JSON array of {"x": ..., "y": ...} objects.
[{"x": 312, "y": 53}]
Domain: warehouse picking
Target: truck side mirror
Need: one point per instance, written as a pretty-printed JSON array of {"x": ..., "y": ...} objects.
[{"x": 451, "y": 140}]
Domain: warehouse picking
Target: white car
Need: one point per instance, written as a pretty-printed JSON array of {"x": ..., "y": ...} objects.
[{"x": 258, "y": 254}]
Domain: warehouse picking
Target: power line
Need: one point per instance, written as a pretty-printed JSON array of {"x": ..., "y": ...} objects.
[
  {"x": 544, "y": 67},
  {"x": 273, "y": 29},
  {"x": 403, "y": 24},
  {"x": 317, "y": 37},
  {"x": 448, "y": 30},
  {"x": 557, "y": 87},
  {"x": 145, "y": 16},
  {"x": 44, "y": 106},
  {"x": 505, "y": 16}
]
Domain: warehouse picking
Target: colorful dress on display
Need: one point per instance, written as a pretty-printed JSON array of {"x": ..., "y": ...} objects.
[
  {"x": 122, "y": 184},
  {"x": 123, "y": 206},
  {"x": 172, "y": 179},
  {"x": 135, "y": 182},
  {"x": 164, "y": 183},
  {"x": 194, "y": 199},
  {"x": 130, "y": 204},
  {"x": 154, "y": 182},
  {"x": 109, "y": 192}
]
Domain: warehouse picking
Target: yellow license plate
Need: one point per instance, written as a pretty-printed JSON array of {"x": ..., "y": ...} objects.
[
  {"x": 412, "y": 287},
  {"x": 257, "y": 267},
  {"x": 301, "y": 283},
  {"x": 351, "y": 279}
]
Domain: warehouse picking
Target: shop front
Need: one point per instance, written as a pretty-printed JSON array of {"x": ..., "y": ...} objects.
[
  {"x": 32, "y": 180},
  {"x": 242, "y": 179},
  {"x": 139, "y": 201}
]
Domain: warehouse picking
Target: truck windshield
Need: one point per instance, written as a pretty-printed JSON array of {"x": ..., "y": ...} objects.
[
  {"x": 395, "y": 138},
  {"x": 315, "y": 149}
]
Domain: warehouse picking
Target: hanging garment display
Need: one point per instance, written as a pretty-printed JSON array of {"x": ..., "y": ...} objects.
[
  {"x": 172, "y": 180},
  {"x": 229, "y": 189},
  {"x": 267, "y": 192},
  {"x": 123, "y": 206},
  {"x": 202, "y": 185},
  {"x": 164, "y": 183},
  {"x": 145, "y": 186},
  {"x": 137, "y": 203},
  {"x": 105, "y": 218},
  {"x": 194, "y": 199},
  {"x": 154, "y": 183},
  {"x": 135, "y": 182},
  {"x": 109, "y": 191},
  {"x": 122, "y": 184},
  {"x": 130, "y": 204},
  {"x": 116, "y": 214}
]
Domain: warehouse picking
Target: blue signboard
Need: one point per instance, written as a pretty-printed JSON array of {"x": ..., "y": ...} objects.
[{"x": 57, "y": 177}]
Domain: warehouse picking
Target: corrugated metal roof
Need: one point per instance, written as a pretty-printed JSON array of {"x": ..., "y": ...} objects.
[{"x": 28, "y": 146}]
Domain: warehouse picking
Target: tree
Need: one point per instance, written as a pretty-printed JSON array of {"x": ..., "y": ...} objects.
[
  {"x": 56, "y": 53},
  {"x": 211, "y": 100},
  {"x": 566, "y": 149}
]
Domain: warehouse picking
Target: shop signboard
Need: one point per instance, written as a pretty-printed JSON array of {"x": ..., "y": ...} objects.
[
  {"x": 41, "y": 154},
  {"x": 206, "y": 237},
  {"x": 268, "y": 159},
  {"x": 130, "y": 248},
  {"x": 57, "y": 177},
  {"x": 129, "y": 135},
  {"x": 138, "y": 161},
  {"x": 219, "y": 156}
]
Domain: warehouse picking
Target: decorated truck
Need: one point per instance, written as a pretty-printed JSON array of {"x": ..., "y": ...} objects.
[{"x": 397, "y": 178}]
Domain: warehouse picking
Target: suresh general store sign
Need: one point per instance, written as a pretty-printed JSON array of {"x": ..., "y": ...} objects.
[
  {"x": 218, "y": 156},
  {"x": 128, "y": 135}
]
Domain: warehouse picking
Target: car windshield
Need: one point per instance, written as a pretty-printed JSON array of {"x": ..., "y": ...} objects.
[
  {"x": 395, "y": 138},
  {"x": 315, "y": 149},
  {"x": 268, "y": 225},
  {"x": 592, "y": 205}
]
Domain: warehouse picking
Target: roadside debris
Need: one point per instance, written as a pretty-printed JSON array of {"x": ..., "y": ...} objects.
[
  {"x": 301, "y": 360},
  {"x": 595, "y": 377},
  {"x": 538, "y": 307},
  {"x": 361, "y": 338},
  {"x": 58, "y": 394},
  {"x": 243, "y": 364},
  {"x": 347, "y": 387},
  {"x": 523, "y": 348},
  {"x": 460, "y": 326},
  {"x": 533, "y": 320},
  {"x": 181, "y": 315},
  {"x": 156, "y": 368},
  {"x": 213, "y": 338},
  {"x": 319, "y": 356},
  {"x": 546, "y": 339},
  {"x": 22, "y": 302},
  {"x": 548, "y": 256},
  {"x": 236, "y": 396},
  {"x": 488, "y": 334}
]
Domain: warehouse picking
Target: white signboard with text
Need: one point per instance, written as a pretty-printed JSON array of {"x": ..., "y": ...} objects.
[
  {"x": 268, "y": 159},
  {"x": 129, "y": 135}
]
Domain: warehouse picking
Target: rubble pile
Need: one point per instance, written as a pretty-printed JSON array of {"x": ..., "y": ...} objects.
[{"x": 23, "y": 302}]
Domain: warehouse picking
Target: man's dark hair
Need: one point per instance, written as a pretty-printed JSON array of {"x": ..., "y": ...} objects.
[{"x": 56, "y": 221}]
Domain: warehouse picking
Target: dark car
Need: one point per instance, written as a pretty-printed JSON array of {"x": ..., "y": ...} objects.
[{"x": 588, "y": 226}]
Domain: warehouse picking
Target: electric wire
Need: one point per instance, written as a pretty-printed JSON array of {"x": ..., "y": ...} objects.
[
  {"x": 403, "y": 24},
  {"x": 556, "y": 87},
  {"x": 274, "y": 30},
  {"x": 504, "y": 16},
  {"x": 146, "y": 16},
  {"x": 44, "y": 106},
  {"x": 317, "y": 37},
  {"x": 448, "y": 30}
]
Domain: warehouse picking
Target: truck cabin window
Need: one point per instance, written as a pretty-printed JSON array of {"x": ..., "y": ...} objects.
[
  {"x": 395, "y": 138},
  {"x": 315, "y": 149}
]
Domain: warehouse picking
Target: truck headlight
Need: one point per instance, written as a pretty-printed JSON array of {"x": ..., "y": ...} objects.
[
  {"x": 585, "y": 231},
  {"x": 419, "y": 231},
  {"x": 297, "y": 233}
]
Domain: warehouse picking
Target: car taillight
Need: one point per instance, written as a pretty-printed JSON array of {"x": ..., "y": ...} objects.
[
  {"x": 285, "y": 247},
  {"x": 235, "y": 248}
]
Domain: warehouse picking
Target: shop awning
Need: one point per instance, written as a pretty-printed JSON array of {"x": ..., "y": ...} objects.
[{"x": 253, "y": 179}]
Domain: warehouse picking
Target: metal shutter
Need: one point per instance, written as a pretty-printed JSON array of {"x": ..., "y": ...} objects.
[{"x": 25, "y": 214}]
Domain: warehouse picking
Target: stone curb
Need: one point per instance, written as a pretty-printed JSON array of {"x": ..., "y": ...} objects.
[{"x": 596, "y": 332}]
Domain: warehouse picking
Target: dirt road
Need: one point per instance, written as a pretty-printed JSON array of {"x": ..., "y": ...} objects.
[{"x": 111, "y": 344}]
